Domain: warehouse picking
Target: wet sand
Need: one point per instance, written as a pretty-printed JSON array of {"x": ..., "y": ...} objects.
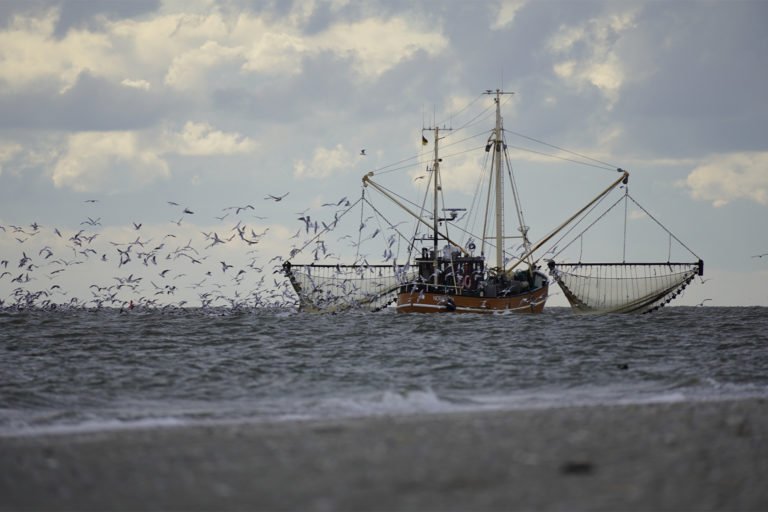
[{"x": 672, "y": 456}]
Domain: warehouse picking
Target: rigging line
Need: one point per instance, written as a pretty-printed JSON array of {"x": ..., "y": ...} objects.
[
  {"x": 392, "y": 226},
  {"x": 422, "y": 208},
  {"x": 595, "y": 221},
  {"x": 408, "y": 201},
  {"x": 626, "y": 203},
  {"x": 486, "y": 113},
  {"x": 487, "y": 206},
  {"x": 465, "y": 107},
  {"x": 379, "y": 169},
  {"x": 482, "y": 116},
  {"x": 449, "y": 144},
  {"x": 669, "y": 249},
  {"x": 327, "y": 229},
  {"x": 579, "y": 237},
  {"x": 612, "y": 167},
  {"x": 360, "y": 228},
  {"x": 662, "y": 226},
  {"x": 473, "y": 213},
  {"x": 550, "y": 155},
  {"x": 518, "y": 203},
  {"x": 388, "y": 168},
  {"x": 379, "y": 172}
]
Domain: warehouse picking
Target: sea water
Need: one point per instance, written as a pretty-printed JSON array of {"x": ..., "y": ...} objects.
[{"x": 80, "y": 370}]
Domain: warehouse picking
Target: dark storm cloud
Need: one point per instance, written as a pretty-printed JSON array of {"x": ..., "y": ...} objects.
[
  {"x": 707, "y": 91},
  {"x": 329, "y": 82},
  {"x": 325, "y": 81},
  {"x": 93, "y": 103},
  {"x": 78, "y": 13}
]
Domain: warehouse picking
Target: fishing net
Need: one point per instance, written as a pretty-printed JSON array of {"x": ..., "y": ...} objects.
[
  {"x": 622, "y": 287},
  {"x": 330, "y": 288}
]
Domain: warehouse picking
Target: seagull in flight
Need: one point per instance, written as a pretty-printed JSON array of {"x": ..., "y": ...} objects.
[
  {"x": 702, "y": 302},
  {"x": 276, "y": 198},
  {"x": 238, "y": 209},
  {"x": 760, "y": 255},
  {"x": 362, "y": 152}
]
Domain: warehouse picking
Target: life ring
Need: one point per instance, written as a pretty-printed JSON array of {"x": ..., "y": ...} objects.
[{"x": 467, "y": 282}]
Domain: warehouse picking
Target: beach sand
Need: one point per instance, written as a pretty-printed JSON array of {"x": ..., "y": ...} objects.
[{"x": 669, "y": 456}]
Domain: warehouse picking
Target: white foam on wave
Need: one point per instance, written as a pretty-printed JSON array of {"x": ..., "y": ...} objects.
[
  {"x": 387, "y": 402},
  {"x": 572, "y": 397},
  {"x": 91, "y": 426}
]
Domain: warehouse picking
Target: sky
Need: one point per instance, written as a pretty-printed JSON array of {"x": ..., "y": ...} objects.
[{"x": 117, "y": 116}]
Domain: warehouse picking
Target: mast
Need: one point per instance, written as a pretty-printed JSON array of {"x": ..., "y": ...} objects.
[
  {"x": 498, "y": 178},
  {"x": 499, "y": 187},
  {"x": 436, "y": 190}
]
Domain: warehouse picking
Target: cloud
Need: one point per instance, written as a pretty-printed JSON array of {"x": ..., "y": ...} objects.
[
  {"x": 202, "y": 139},
  {"x": 507, "y": 9},
  {"x": 324, "y": 163},
  {"x": 727, "y": 177},
  {"x": 30, "y": 52},
  {"x": 8, "y": 150},
  {"x": 182, "y": 49},
  {"x": 92, "y": 103},
  {"x": 276, "y": 53},
  {"x": 377, "y": 45},
  {"x": 461, "y": 173},
  {"x": 108, "y": 161},
  {"x": 113, "y": 161},
  {"x": 136, "y": 84},
  {"x": 589, "y": 56},
  {"x": 192, "y": 67}
]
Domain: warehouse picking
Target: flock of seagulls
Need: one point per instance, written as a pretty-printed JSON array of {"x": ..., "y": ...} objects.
[{"x": 96, "y": 265}]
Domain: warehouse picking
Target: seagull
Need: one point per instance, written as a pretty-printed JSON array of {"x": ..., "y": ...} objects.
[
  {"x": 91, "y": 201},
  {"x": 702, "y": 302},
  {"x": 238, "y": 209},
  {"x": 362, "y": 152},
  {"x": 276, "y": 198},
  {"x": 307, "y": 221},
  {"x": 760, "y": 255},
  {"x": 188, "y": 211}
]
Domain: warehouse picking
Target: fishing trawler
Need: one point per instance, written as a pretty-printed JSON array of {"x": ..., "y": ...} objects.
[{"x": 504, "y": 274}]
